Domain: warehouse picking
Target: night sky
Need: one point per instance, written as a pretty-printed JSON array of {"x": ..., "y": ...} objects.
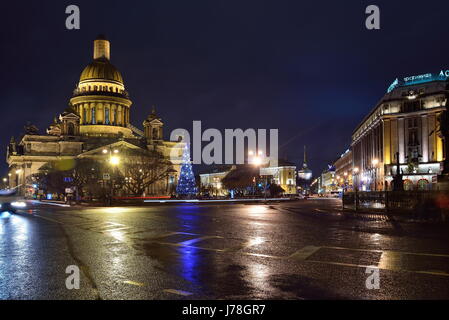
[{"x": 309, "y": 68}]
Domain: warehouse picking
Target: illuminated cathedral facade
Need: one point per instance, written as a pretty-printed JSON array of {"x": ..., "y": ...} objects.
[{"x": 98, "y": 118}]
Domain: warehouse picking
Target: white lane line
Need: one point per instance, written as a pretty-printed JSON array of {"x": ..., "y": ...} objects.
[
  {"x": 399, "y": 252},
  {"x": 304, "y": 253},
  {"x": 192, "y": 241},
  {"x": 134, "y": 283},
  {"x": 178, "y": 292}
]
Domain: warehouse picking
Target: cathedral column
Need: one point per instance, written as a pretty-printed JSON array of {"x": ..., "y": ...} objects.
[
  {"x": 119, "y": 115},
  {"x": 126, "y": 116},
  {"x": 80, "y": 112},
  {"x": 114, "y": 114},
  {"x": 99, "y": 113},
  {"x": 88, "y": 113}
]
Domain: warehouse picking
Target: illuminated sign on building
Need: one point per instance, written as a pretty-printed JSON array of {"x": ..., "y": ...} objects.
[{"x": 422, "y": 78}]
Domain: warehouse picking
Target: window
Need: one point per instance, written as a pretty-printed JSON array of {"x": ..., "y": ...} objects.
[
  {"x": 70, "y": 129},
  {"x": 93, "y": 115},
  {"x": 106, "y": 116},
  {"x": 411, "y": 106}
]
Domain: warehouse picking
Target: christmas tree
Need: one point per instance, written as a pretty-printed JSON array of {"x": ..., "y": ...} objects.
[{"x": 186, "y": 184}]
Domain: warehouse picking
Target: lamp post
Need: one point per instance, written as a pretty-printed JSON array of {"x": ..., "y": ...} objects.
[
  {"x": 257, "y": 161},
  {"x": 114, "y": 161}
]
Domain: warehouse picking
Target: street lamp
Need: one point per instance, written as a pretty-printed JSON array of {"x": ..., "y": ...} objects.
[
  {"x": 113, "y": 161},
  {"x": 257, "y": 161}
]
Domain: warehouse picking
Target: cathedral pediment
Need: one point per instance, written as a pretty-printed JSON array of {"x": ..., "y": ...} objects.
[
  {"x": 120, "y": 146},
  {"x": 69, "y": 115}
]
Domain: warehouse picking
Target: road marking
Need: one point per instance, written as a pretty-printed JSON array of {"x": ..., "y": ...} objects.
[
  {"x": 304, "y": 253},
  {"x": 382, "y": 251},
  {"x": 390, "y": 260},
  {"x": 138, "y": 284},
  {"x": 192, "y": 241},
  {"x": 178, "y": 292},
  {"x": 247, "y": 244},
  {"x": 432, "y": 273}
]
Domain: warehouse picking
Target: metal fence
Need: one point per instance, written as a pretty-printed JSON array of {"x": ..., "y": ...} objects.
[{"x": 397, "y": 201}]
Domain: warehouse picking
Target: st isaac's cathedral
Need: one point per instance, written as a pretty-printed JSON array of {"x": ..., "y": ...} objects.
[{"x": 95, "y": 124}]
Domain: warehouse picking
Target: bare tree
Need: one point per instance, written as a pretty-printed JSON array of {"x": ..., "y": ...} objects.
[{"x": 142, "y": 169}]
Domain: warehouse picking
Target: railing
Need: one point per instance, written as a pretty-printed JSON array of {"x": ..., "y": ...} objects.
[{"x": 396, "y": 201}]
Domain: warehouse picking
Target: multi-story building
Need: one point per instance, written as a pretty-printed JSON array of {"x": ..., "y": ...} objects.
[
  {"x": 344, "y": 171},
  {"x": 283, "y": 175},
  {"x": 326, "y": 182},
  {"x": 212, "y": 182},
  {"x": 403, "y": 128}
]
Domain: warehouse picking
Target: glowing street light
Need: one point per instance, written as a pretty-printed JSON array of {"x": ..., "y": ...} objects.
[
  {"x": 114, "y": 160},
  {"x": 258, "y": 161},
  {"x": 375, "y": 162}
]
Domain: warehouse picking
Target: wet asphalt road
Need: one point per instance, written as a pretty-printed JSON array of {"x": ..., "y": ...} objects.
[{"x": 295, "y": 250}]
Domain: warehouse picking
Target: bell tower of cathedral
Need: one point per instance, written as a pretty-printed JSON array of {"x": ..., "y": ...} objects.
[{"x": 153, "y": 127}]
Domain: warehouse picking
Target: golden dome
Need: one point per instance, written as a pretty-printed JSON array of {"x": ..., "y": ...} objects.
[{"x": 101, "y": 70}]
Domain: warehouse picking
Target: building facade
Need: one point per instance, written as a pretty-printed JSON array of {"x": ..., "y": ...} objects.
[
  {"x": 97, "y": 119},
  {"x": 283, "y": 175},
  {"x": 403, "y": 128},
  {"x": 344, "y": 171}
]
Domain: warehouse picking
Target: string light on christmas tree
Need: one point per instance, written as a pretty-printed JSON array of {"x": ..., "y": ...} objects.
[{"x": 186, "y": 184}]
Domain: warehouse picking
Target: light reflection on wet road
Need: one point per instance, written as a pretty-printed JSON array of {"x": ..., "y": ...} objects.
[{"x": 300, "y": 250}]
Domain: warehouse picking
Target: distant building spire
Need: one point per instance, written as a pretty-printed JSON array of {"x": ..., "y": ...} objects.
[{"x": 305, "y": 157}]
